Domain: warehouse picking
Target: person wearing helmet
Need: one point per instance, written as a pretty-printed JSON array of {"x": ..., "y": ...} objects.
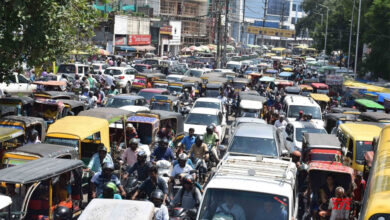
[
  {"x": 141, "y": 166},
  {"x": 110, "y": 191},
  {"x": 198, "y": 152},
  {"x": 309, "y": 117},
  {"x": 160, "y": 211},
  {"x": 182, "y": 166},
  {"x": 162, "y": 151},
  {"x": 188, "y": 140},
  {"x": 62, "y": 213},
  {"x": 300, "y": 117},
  {"x": 129, "y": 156},
  {"x": 102, "y": 178},
  {"x": 189, "y": 196},
  {"x": 211, "y": 138},
  {"x": 152, "y": 183},
  {"x": 99, "y": 158}
]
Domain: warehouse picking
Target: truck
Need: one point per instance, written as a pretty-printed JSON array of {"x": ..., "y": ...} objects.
[{"x": 251, "y": 187}]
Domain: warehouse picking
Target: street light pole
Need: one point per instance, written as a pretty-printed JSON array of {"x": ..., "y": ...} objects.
[
  {"x": 350, "y": 34},
  {"x": 357, "y": 39},
  {"x": 326, "y": 28}
]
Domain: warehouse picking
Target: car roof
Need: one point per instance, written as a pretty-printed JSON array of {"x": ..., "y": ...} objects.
[
  {"x": 250, "y": 120},
  {"x": 304, "y": 124},
  {"x": 255, "y": 130},
  {"x": 299, "y": 100},
  {"x": 205, "y": 99},
  {"x": 154, "y": 90},
  {"x": 205, "y": 111},
  {"x": 128, "y": 96},
  {"x": 118, "y": 67}
]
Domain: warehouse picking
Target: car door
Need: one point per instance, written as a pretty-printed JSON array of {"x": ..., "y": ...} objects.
[
  {"x": 24, "y": 86},
  {"x": 11, "y": 87},
  {"x": 130, "y": 75}
]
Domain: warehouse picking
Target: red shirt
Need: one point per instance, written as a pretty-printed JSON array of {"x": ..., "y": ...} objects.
[{"x": 359, "y": 190}]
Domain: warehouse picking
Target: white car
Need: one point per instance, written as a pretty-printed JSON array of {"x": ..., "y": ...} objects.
[
  {"x": 18, "y": 85},
  {"x": 200, "y": 118},
  {"x": 206, "y": 102},
  {"x": 291, "y": 135},
  {"x": 124, "y": 75},
  {"x": 197, "y": 72},
  {"x": 294, "y": 104},
  {"x": 99, "y": 67},
  {"x": 175, "y": 77}
]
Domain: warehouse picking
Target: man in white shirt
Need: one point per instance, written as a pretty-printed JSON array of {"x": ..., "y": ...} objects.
[
  {"x": 182, "y": 166},
  {"x": 280, "y": 122}
]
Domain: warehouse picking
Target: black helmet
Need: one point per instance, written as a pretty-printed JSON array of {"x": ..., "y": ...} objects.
[
  {"x": 109, "y": 189},
  {"x": 188, "y": 179},
  {"x": 210, "y": 129},
  {"x": 157, "y": 194},
  {"x": 108, "y": 166},
  {"x": 101, "y": 147},
  {"x": 199, "y": 140},
  {"x": 62, "y": 213},
  {"x": 134, "y": 141},
  {"x": 164, "y": 140},
  {"x": 243, "y": 88},
  {"x": 141, "y": 154}
]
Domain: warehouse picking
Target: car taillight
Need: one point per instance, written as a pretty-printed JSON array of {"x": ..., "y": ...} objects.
[{"x": 121, "y": 77}]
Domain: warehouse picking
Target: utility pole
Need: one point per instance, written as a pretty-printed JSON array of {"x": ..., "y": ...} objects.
[
  {"x": 326, "y": 28},
  {"x": 357, "y": 39},
  {"x": 226, "y": 33},
  {"x": 219, "y": 37},
  {"x": 281, "y": 22},
  {"x": 264, "y": 17},
  {"x": 350, "y": 35},
  {"x": 243, "y": 23}
]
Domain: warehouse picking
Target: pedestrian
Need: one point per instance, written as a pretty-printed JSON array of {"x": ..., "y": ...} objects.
[{"x": 280, "y": 122}]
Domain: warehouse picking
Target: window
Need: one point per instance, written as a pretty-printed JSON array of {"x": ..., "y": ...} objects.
[
  {"x": 80, "y": 70},
  {"x": 300, "y": 8},
  {"x": 86, "y": 70},
  {"x": 293, "y": 21},
  {"x": 294, "y": 7},
  {"x": 21, "y": 79}
]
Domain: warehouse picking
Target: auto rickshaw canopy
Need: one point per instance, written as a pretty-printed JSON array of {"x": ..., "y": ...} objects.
[
  {"x": 320, "y": 97},
  {"x": 110, "y": 114},
  {"x": 9, "y": 133}
]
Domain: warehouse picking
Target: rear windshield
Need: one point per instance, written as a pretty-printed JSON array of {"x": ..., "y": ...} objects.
[
  {"x": 293, "y": 111},
  {"x": 67, "y": 68},
  {"x": 62, "y": 141},
  {"x": 112, "y": 72},
  {"x": 206, "y": 105},
  {"x": 253, "y": 145}
]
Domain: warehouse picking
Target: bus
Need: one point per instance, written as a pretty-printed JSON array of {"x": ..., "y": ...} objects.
[
  {"x": 304, "y": 50},
  {"x": 279, "y": 51}
]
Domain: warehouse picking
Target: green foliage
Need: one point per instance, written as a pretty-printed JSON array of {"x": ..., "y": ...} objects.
[
  {"x": 38, "y": 32},
  {"x": 377, "y": 37}
]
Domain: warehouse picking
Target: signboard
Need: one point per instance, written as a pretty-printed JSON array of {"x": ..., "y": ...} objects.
[
  {"x": 333, "y": 80},
  {"x": 139, "y": 40},
  {"x": 176, "y": 33},
  {"x": 166, "y": 30},
  {"x": 120, "y": 40},
  {"x": 271, "y": 31},
  {"x": 120, "y": 25}
]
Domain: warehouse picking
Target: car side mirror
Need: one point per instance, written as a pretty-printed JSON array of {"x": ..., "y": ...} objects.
[{"x": 289, "y": 139}]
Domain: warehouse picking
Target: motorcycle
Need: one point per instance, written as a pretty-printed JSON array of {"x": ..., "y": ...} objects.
[
  {"x": 212, "y": 161},
  {"x": 201, "y": 169},
  {"x": 179, "y": 213},
  {"x": 163, "y": 169}
]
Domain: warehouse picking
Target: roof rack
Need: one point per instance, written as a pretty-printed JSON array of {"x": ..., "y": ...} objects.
[{"x": 258, "y": 167}]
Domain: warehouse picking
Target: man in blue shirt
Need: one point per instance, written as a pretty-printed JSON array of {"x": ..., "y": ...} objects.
[
  {"x": 98, "y": 159},
  {"x": 189, "y": 140},
  {"x": 100, "y": 179},
  {"x": 152, "y": 183},
  {"x": 162, "y": 152}
]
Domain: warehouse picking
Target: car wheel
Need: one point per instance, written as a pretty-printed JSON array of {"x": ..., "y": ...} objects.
[{"x": 128, "y": 87}]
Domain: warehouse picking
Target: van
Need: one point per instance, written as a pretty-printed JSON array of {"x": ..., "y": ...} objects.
[
  {"x": 256, "y": 187},
  {"x": 293, "y": 104},
  {"x": 71, "y": 69}
]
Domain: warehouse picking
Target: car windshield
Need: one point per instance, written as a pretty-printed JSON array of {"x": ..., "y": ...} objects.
[
  {"x": 293, "y": 111},
  {"x": 62, "y": 141},
  {"x": 299, "y": 132},
  {"x": 323, "y": 157},
  {"x": 194, "y": 73},
  {"x": 147, "y": 95},
  {"x": 175, "y": 79},
  {"x": 161, "y": 106},
  {"x": 117, "y": 103},
  {"x": 202, "y": 119},
  {"x": 361, "y": 148},
  {"x": 140, "y": 68},
  {"x": 206, "y": 105},
  {"x": 232, "y": 66},
  {"x": 250, "y": 114},
  {"x": 253, "y": 145},
  {"x": 176, "y": 89},
  {"x": 239, "y": 204},
  {"x": 112, "y": 72},
  {"x": 67, "y": 68}
]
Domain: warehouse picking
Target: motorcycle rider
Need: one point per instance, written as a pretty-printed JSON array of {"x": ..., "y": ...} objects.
[
  {"x": 152, "y": 183},
  {"x": 110, "y": 192},
  {"x": 102, "y": 178},
  {"x": 160, "y": 210},
  {"x": 141, "y": 166},
  {"x": 188, "y": 140},
  {"x": 185, "y": 96},
  {"x": 189, "y": 196},
  {"x": 210, "y": 138},
  {"x": 162, "y": 151},
  {"x": 98, "y": 159},
  {"x": 129, "y": 156},
  {"x": 199, "y": 151},
  {"x": 181, "y": 167}
]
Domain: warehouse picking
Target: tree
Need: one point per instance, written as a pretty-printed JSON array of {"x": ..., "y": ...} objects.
[
  {"x": 377, "y": 36},
  {"x": 38, "y": 32}
]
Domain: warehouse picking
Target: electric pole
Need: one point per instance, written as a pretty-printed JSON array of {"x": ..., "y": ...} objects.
[
  {"x": 350, "y": 35},
  {"x": 357, "y": 40},
  {"x": 243, "y": 23},
  {"x": 265, "y": 12},
  {"x": 226, "y": 33},
  {"x": 281, "y": 23},
  {"x": 219, "y": 37}
]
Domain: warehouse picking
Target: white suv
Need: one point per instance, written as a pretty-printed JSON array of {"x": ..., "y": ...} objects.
[{"x": 124, "y": 75}]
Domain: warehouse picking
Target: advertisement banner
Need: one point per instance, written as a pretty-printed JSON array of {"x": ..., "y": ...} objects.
[
  {"x": 176, "y": 33},
  {"x": 166, "y": 30},
  {"x": 120, "y": 25},
  {"x": 120, "y": 40},
  {"x": 271, "y": 31},
  {"x": 139, "y": 40}
]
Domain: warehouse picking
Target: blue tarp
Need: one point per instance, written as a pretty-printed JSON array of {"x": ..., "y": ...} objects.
[
  {"x": 267, "y": 79},
  {"x": 106, "y": 8},
  {"x": 381, "y": 96},
  {"x": 285, "y": 74},
  {"x": 141, "y": 119}
]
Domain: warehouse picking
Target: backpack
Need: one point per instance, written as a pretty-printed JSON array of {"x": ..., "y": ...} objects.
[{"x": 193, "y": 191}]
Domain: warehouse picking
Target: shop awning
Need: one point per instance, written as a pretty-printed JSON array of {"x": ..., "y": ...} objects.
[
  {"x": 144, "y": 48},
  {"x": 128, "y": 8},
  {"x": 128, "y": 48}
]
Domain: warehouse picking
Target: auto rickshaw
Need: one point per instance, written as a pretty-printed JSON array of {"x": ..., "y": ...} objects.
[
  {"x": 239, "y": 83},
  {"x": 100, "y": 209},
  {"x": 177, "y": 87},
  {"x": 11, "y": 138},
  {"x": 356, "y": 139},
  {"x": 14, "y": 105},
  {"x": 333, "y": 120},
  {"x": 306, "y": 89},
  {"x": 285, "y": 75},
  {"x": 54, "y": 95},
  {"x": 267, "y": 82},
  {"x": 344, "y": 110},
  {"x": 50, "y": 85},
  {"x": 318, "y": 147},
  {"x": 322, "y": 99},
  {"x": 251, "y": 106},
  {"x": 282, "y": 84},
  {"x": 35, "y": 151},
  {"x": 294, "y": 90},
  {"x": 270, "y": 72},
  {"x": 53, "y": 109},
  {"x": 379, "y": 117},
  {"x": 145, "y": 80},
  {"x": 161, "y": 84},
  {"x": 318, "y": 173},
  {"x": 195, "y": 82},
  {"x": 80, "y": 132},
  {"x": 366, "y": 105},
  {"x": 27, "y": 124},
  {"x": 255, "y": 77},
  {"x": 165, "y": 102},
  {"x": 138, "y": 83},
  {"x": 37, "y": 180},
  {"x": 206, "y": 76},
  {"x": 320, "y": 88}
]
